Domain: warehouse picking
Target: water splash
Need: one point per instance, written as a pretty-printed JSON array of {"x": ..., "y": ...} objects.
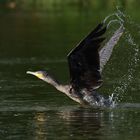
[
  {"x": 119, "y": 91},
  {"x": 119, "y": 17},
  {"x": 127, "y": 79}
]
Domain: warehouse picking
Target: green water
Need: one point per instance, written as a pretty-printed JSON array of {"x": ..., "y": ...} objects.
[{"x": 37, "y": 35}]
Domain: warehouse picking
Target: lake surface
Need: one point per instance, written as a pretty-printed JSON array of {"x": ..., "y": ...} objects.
[{"x": 38, "y": 36}]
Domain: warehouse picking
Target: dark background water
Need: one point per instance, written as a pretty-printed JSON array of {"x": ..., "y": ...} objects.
[{"x": 37, "y": 35}]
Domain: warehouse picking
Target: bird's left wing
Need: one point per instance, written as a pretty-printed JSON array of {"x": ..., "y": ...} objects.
[
  {"x": 106, "y": 51},
  {"x": 84, "y": 62}
]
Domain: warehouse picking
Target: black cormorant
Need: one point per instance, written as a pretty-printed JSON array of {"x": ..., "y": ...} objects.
[{"x": 86, "y": 62}]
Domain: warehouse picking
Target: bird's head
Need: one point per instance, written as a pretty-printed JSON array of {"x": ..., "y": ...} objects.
[
  {"x": 40, "y": 74},
  {"x": 44, "y": 76}
]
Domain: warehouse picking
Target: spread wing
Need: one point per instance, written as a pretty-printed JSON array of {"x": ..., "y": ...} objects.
[
  {"x": 106, "y": 51},
  {"x": 84, "y": 63}
]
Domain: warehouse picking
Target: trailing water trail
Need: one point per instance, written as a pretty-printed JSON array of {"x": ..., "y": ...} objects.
[
  {"x": 114, "y": 18},
  {"x": 127, "y": 79},
  {"x": 123, "y": 84},
  {"x": 119, "y": 91}
]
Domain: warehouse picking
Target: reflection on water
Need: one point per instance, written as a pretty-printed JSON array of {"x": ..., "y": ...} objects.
[
  {"x": 71, "y": 123},
  {"x": 37, "y": 35}
]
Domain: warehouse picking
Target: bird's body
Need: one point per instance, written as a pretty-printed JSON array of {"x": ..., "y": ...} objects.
[{"x": 86, "y": 63}]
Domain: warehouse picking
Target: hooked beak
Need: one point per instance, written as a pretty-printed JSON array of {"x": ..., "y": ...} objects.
[
  {"x": 39, "y": 75},
  {"x": 30, "y": 72}
]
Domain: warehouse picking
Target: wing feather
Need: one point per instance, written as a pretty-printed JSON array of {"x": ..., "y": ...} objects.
[
  {"x": 106, "y": 51},
  {"x": 84, "y": 62}
]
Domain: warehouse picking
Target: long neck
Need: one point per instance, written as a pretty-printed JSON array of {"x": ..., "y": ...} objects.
[
  {"x": 52, "y": 81},
  {"x": 63, "y": 88},
  {"x": 57, "y": 85}
]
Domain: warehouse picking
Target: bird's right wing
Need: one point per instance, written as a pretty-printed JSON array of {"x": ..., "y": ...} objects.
[{"x": 106, "y": 51}]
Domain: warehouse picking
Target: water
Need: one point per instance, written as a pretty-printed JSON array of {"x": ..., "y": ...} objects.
[{"x": 38, "y": 36}]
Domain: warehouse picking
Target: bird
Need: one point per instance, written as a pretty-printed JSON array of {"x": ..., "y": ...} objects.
[{"x": 86, "y": 62}]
